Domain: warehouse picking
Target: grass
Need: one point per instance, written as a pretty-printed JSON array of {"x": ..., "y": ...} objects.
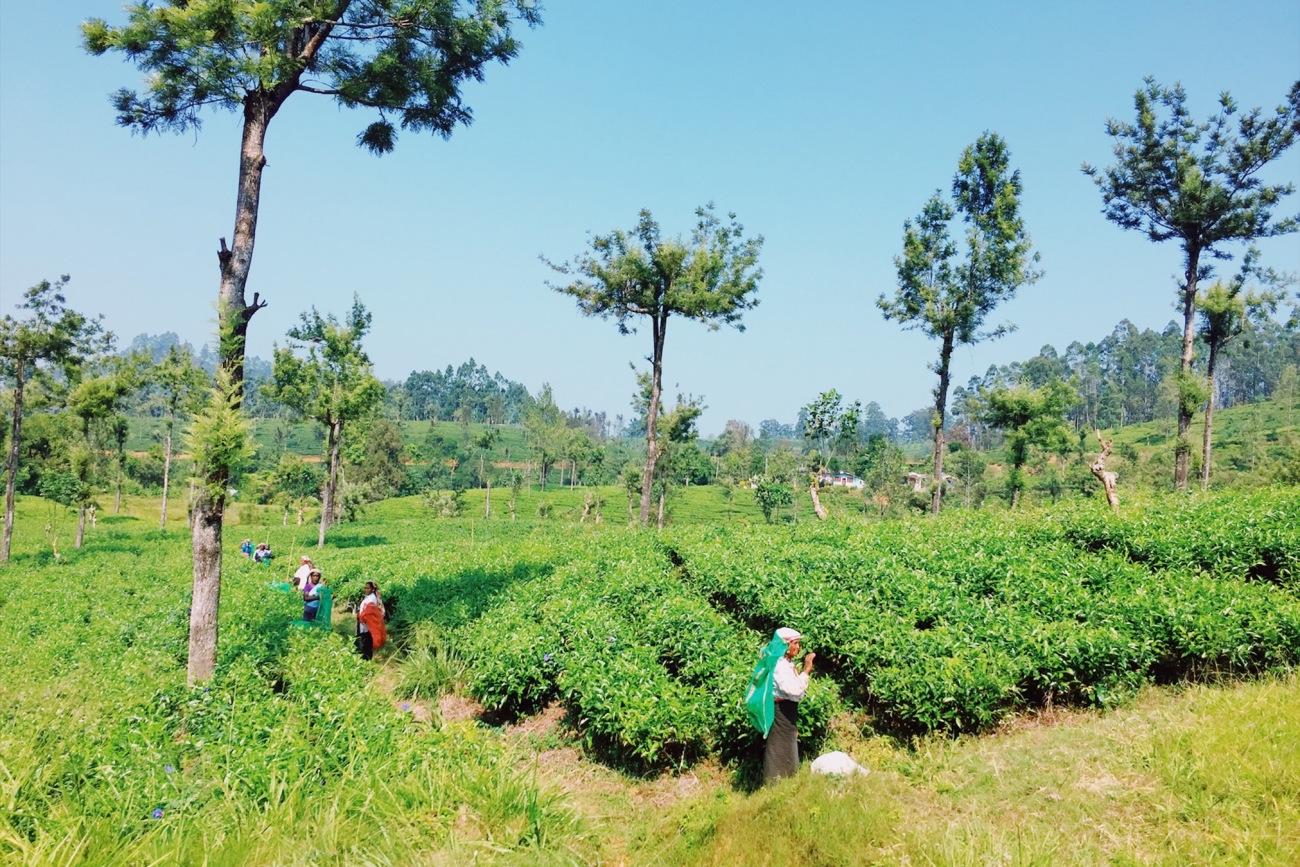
[
  {"x": 1203, "y": 775},
  {"x": 309, "y": 758}
]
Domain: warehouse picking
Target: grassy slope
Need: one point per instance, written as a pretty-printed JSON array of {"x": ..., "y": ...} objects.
[
  {"x": 1200, "y": 776},
  {"x": 1205, "y": 775}
]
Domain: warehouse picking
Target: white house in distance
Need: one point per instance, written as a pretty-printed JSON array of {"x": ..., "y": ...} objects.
[{"x": 841, "y": 480}]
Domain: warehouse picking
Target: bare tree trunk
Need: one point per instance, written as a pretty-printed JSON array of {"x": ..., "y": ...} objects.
[
  {"x": 81, "y": 526},
  {"x": 167, "y": 474},
  {"x": 663, "y": 495},
  {"x": 818, "y": 508},
  {"x": 206, "y": 537},
  {"x": 940, "y": 405},
  {"x": 331, "y": 484},
  {"x": 1182, "y": 448},
  {"x": 233, "y": 317},
  {"x": 15, "y": 439},
  {"x": 1209, "y": 420},
  {"x": 1107, "y": 478},
  {"x": 652, "y": 417}
]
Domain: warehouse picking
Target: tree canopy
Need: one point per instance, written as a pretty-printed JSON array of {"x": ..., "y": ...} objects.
[
  {"x": 332, "y": 384},
  {"x": 949, "y": 298},
  {"x": 1197, "y": 183},
  {"x": 712, "y": 278}
]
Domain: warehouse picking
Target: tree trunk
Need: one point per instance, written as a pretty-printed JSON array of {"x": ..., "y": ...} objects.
[
  {"x": 1209, "y": 419},
  {"x": 206, "y": 537},
  {"x": 233, "y": 315},
  {"x": 940, "y": 405},
  {"x": 818, "y": 508},
  {"x": 1106, "y": 477},
  {"x": 331, "y": 483},
  {"x": 167, "y": 474},
  {"x": 15, "y": 440},
  {"x": 652, "y": 417},
  {"x": 663, "y": 495},
  {"x": 81, "y": 527},
  {"x": 1183, "y": 449}
]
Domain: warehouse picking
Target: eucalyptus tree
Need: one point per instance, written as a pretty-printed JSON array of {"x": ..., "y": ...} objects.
[
  {"x": 403, "y": 60},
  {"x": 1199, "y": 184},
  {"x": 333, "y": 384},
  {"x": 1225, "y": 311},
  {"x": 48, "y": 337},
  {"x": 948, "y": 297},
  {"x": 95, "y": 400},
  {"x": 630, "y": 276},
  {"x": 679, "y": 435},
  {"x": 830, "y": 424},
  {"x": 1031, "y": 418},
  {"x": 183, "y": 385},
  {"x": 484, "y": 442}
]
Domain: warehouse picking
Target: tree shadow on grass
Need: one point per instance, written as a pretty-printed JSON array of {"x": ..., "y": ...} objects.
[{"x": 454, "y": 600}]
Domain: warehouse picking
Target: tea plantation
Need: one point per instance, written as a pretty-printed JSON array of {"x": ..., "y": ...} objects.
[{"x": 299, "y": 751}]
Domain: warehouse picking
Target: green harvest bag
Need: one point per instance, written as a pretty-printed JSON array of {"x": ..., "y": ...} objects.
[{"x": 759, "y": 702}]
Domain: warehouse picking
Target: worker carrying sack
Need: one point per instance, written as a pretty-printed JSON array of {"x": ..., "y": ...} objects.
[{"x": 760, "y": 704}]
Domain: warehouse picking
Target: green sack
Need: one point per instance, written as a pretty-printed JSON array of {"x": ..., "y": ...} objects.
[{"x": 760, "y": 704}]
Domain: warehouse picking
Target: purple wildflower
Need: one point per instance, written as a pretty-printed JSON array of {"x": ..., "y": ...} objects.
[
  {"x": 158, "y": 812},
  {"x": 169, "y": 769},
  {"x": 406, "y": 705},
  {"x": 546, "y": 658}
]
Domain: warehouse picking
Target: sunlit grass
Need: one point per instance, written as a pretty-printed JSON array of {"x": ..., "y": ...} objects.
[{"x": 1201, "y": 775}]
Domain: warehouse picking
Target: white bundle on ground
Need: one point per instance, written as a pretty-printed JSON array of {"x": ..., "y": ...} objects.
[{"x": 837, "y": 763}]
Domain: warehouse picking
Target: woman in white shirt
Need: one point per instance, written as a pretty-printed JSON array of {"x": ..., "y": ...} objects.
[{"x": 781, "y": 751}]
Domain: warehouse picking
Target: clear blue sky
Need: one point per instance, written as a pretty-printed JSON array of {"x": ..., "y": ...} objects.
[{"x": 822, "y": 125}]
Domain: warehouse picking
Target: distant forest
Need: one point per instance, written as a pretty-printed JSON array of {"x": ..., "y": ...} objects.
[{"x": 1125, "y": 378}]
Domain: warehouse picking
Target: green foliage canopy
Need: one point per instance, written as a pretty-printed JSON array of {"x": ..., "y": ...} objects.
[{"x": 404, "y": 59}]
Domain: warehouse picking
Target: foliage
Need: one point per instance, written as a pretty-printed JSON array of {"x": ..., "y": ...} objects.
[
  {"x": 832, "y": 427},
  {"x": 51, "y": 337},
  {"x": 219, "y": 438},
  {"x": 772, "y": 495},
  {"x": 946, "y": 298},
  {"x": 627, "y": 276},
  {"x": 405, "y": 61},
  {"x": 445, "y": 504},
  {"x": 1031, "y": 418},
  {"x": 1199, "y": 184}
]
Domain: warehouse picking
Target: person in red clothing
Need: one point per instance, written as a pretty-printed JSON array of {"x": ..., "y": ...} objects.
[{"x": 371, "y": 633}]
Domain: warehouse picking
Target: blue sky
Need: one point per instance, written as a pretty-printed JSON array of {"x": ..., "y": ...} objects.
[{"x": 823, "y": 126}]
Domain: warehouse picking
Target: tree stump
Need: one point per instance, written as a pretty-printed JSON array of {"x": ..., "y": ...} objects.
[{"x": 1105, "y": 476}]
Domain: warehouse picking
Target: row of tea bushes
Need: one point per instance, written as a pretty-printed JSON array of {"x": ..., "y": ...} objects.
[
  {"x": 951, "y": 624},
  {"x": 1244, "y": 535},
  {"x": 648, "y": 670}
]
